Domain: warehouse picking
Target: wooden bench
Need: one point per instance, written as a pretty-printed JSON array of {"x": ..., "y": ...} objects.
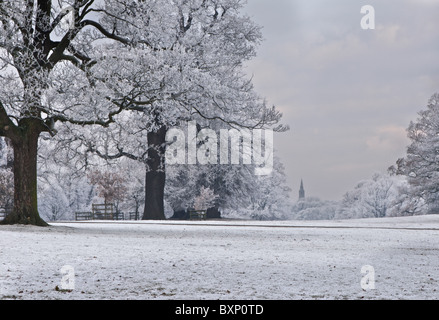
[
  {"x": 100, "y": 212},
  {"x": 197, "y": 214},
  {"x": 80, "y": 216},
  {"x": 4, "y": 212},
  {"x": 134, "y": 215}
]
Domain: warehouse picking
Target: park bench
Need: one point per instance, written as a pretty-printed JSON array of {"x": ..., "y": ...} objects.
[
  {"x": 4, "y": 212},
  {"x": 80, "y": 216},
  {"x": 103, "y": 212},
  {"x": 100, "y": 212},
  {"x": 197, "y": 214}
]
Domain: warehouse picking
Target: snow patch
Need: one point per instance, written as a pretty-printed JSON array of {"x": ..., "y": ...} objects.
[{"x": 222, "y": 259}]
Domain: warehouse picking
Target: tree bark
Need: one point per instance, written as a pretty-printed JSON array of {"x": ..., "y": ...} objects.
[
  {"x": 25, "y": 145},
  {"x": 155, "y": 176}
]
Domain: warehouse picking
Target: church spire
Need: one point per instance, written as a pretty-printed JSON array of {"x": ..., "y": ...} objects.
[{"x": 301, "y": 190}]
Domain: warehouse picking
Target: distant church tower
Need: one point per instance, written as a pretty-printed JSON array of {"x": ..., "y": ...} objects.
[{"x": 301, "y": 191}]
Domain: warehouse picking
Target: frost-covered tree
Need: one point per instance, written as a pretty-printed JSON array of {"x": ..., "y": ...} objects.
[
  {"x": 371, "y": 198},
  {"x": 6, "y": 154},
  {"x": 240, "y": 192},
  {"x": 181, "y": 183},
  {"x": 111, "y": 185},
  {"x": 351, "y": 205},
  {"x": 421, "y": 163},
  {"x": 53, "y": 72},
  {"x": 270, "y": 199},
  {"x": 6, "y": 189},
  {"x": 246, "y": 195},
  {"x": 74, "y": 183},
  {"x": 205, "y": 199},
  {"x": 188, "y": 68},
  {"x": 6, "y": 176},
  {"x": 406, "y": 202},
  {"x": 378, "y": 195},
  {"x": 134, "y": 198},
  {"x": 313, "y": 208},
  {"x": 62, "y": 193},
  {"x": 63, "y": 185}
]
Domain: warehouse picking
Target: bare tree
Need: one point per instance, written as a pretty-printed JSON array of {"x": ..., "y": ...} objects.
[{"x": 111, "y": 185}]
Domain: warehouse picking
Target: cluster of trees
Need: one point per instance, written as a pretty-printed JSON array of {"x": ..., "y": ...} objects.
[
  {"x": 383, "y": 195},
  {"x": 313, "y": 208},
  {"x": 410, "y": 187},
  {"x": 109, "y": 78},
  {"x": 85, "y": 83},
  {"x": 234, "y": 190}
]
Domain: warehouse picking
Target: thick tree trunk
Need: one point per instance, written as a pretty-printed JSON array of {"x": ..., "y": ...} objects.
[
  {"x": 25, "y": 209},
  {"x": 155, "y": 176}
]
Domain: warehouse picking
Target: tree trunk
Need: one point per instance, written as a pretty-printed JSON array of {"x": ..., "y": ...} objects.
[
  {"x": 155, "y": 176},
  {"x": 25, "y": 209}
]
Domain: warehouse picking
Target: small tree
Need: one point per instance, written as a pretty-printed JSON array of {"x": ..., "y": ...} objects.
[
  {"x": 205, "y": 199},
  {"x": 111, "y": 186}
]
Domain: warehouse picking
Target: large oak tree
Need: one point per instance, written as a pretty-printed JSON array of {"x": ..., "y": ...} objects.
[{"x": 50, "y": 71}]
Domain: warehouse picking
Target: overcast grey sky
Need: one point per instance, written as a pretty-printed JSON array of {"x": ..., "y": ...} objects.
[{"x": 348, "y": 94}]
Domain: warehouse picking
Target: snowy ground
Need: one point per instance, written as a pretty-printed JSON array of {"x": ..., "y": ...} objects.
[{"x": 223, "y": 260}]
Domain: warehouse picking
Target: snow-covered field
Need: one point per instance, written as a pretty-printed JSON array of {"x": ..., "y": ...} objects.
[{"x": 222, "y": 260}]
